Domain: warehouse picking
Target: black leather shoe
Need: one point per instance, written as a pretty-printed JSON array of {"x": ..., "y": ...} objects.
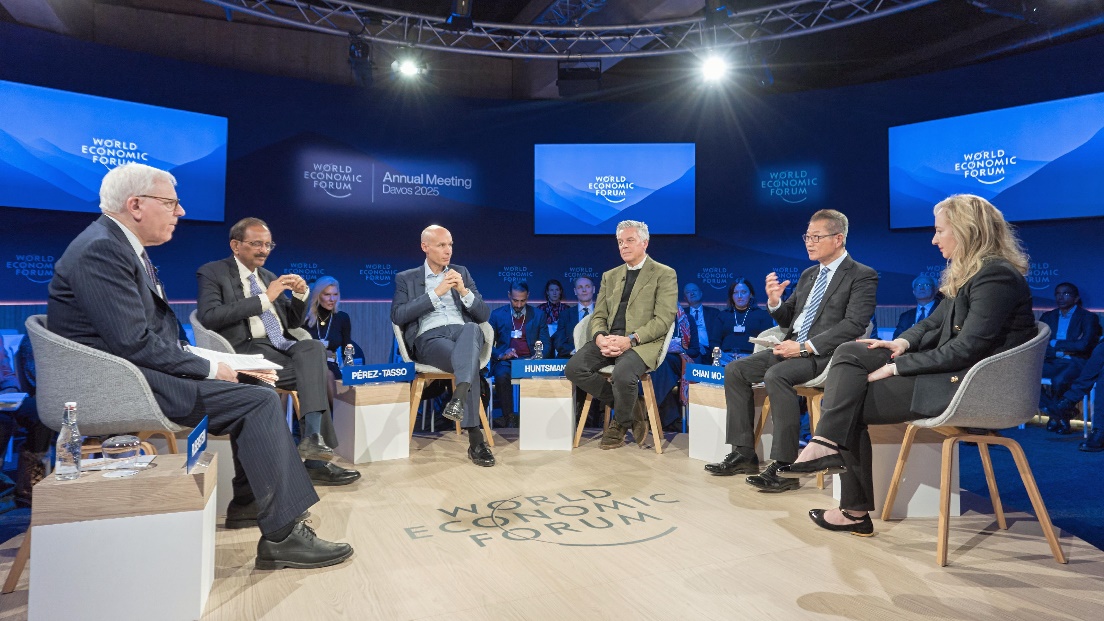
[
  {"x": 862, "y": 527},
  {"x": 454, "y": 410},
  {"x": 314, "y": 447},
  {"x": 769, "y": 481},
  {"x": 332, "y": 474},
  {"x": 1095, "y": 443},
  {"x": 829, "y": 464},
  {"x": 481, "y": 455},
  {"x": 245, "y": 516},
  {"x": 1052, "y": 421},
  {"x": 302, "y": 549},
  {"x": 1064, "y": 427},
  {"x": 734, "y": 463}
]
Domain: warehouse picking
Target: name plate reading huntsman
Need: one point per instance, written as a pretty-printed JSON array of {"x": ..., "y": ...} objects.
[{"x": 537, "y": 368}]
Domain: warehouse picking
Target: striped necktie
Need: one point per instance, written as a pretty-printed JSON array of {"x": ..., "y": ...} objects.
[
  {"x": 268, "y": 318},
  {"x": 813, "y": 305}
]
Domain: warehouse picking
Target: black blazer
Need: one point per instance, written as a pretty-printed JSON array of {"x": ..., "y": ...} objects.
[
  {"x": 991, "y": 313},
  {"x": 223, "y": 307},
  {"x": 100, "y": 296},
  {"x": 756, "y": 321},
  {"x": 844, "y": 312},
  {"x": 712, "y": 318},
  {"x": 337, "y": 334},
  {"x": 908, "y": 318},
  {"x": 411, "y": 302},
  {"x": 1081, "y": 337}
]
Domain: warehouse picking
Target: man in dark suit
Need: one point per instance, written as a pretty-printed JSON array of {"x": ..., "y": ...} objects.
[
  {"x": 923, "y": 289},
  {"x": 705, "y": 325},
  {"x": 438, "y": 309},
  {"x": 1075, "y": 332},
  {"x": 245, "y": 303},
  {"x": 564, "y": 339},
  {"x": 635, "y": 309},
  {"x": 831, "y": 305},
  {"x": 105, "y": 294},
  {"x": 517, "y": 327}
]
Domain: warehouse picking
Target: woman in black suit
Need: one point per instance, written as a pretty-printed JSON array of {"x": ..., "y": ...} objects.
[
  {"x": 987, "y": 310},
  {"x": 743, "y": 319},
  {"x": 330, "y": 326}
]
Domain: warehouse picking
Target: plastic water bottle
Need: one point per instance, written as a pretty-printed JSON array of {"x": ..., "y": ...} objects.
[
  {"x": 716, "y": 356},
  {"x": 538, "y": 350},
  {"x": 68, "y": 464},
  {"x": 348, "y": 355}
]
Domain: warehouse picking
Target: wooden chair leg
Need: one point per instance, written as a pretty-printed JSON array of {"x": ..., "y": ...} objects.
[
  {"x": 762, "y": 422},
  {"x": 652, "y": 408},
  {"x": 415, "y": 400},
  {"x": 898, "y": 471},
  {"x": 609, "y": 415},
  {"x": 945, "y": 501},
  {"x": 148, "y": 448},
  {"x": 991, "y": 480},
  {"x": 18, "y": 564},
  {"x": 582, "y": 419},
  {"x": 1033, "y": 493},
  {"x": 486, "y": 424},
  {"x": 295, "y": 404},
  {"x": 170, "y": 438}
]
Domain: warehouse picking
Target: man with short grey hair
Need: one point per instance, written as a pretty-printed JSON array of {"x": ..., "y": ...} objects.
[{"x": 635, "y": 309}]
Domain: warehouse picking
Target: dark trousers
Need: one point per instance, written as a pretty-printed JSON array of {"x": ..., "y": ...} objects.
[
  {"x": 1089, "y": 375},
  {"x": 455, "y": 349},
  {"x": 304, "y": 372},
  {"x": 582, "y": 370},
  {"x": 1062, "y": 373},
  {"x": 38, "y": 437},
  {"x": 266, "y": 462},
  {"x": 850, "y": 405},
  {"x": 780, "y": 376},
  {"x": 504, "y": 389}
]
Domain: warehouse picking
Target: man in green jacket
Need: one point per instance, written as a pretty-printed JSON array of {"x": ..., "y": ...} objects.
[{"x": 635, "y": 309}]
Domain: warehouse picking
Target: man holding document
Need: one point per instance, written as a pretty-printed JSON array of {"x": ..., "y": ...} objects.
[{"x": 105, "y": 294}]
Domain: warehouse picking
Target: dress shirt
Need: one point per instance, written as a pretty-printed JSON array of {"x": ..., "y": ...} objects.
[
  {"x": 256, "y": 326},
  {"x": 699, "y": 320},
  {"x": 928, "y": 308},
  {"x": 832, "y": 268},
  {"x": 445, "y": 312},
  {"x": 589, "y": 310},
  {"x": 638, "y": 265},
  {"x": 1060, "y": 334}
]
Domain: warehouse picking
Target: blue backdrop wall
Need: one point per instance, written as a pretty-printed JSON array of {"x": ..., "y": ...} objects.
[{"x": 286, "y": 135}]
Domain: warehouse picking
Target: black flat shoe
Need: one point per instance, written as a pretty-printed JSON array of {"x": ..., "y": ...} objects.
[
  {"x": 862, "y": 527},
  {"x": 829, "y": 464}
]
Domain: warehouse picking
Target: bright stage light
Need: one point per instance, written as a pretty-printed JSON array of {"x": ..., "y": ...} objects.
[{"x": 714, "y": 68}]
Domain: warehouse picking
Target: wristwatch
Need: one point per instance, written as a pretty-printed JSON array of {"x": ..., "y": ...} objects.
[
  {"x": 633, "y": 341},
  {"x": 804, "y": 352}
]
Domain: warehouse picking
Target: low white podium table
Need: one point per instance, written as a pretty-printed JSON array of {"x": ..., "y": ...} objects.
[
  {"x": 708, "y": 424},
  {"x": 138, "y": 547},
  {"x": 546, "y": 414},
  {"x": 372, "y": 421}
]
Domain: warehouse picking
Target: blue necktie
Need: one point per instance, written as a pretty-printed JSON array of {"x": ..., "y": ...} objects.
[
  {"x": 813, "y": 305},
  {"x": 921, "y": 314},
  {"x": 268, "y": 318}
]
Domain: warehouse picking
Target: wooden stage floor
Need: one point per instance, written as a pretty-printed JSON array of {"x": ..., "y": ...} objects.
[{"x": 629, "y": 534}]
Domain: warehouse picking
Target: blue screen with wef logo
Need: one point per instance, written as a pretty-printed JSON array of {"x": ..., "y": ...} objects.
[
  {"x": 56, "y": 146},
  {"x": 1041, "y": 161},
  {"x": 586, "y": 189}
]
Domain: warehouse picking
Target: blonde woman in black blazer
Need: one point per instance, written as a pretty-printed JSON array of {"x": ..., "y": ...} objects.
[{"x": 987, "y": 310}]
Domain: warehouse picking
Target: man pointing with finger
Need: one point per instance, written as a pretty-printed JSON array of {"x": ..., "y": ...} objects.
[{"x": 831, "y": 305}]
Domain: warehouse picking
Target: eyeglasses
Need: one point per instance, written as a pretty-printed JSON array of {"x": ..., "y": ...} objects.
[
  {"x": 1064, "y": 294},
  {"x": 168, "y": 203},
  {"x": 258, "y": 244},
  {"x": 816, "y": 238}
]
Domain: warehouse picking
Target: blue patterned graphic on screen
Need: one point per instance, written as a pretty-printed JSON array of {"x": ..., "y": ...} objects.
[
  {"x": 56, "y": 146},
  {"x": 586, "y": 189},
  {"x": 1036, "y": 162}
]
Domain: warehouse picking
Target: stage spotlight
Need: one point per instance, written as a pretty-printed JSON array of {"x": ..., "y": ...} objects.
[
  {"x": 408, "y": 64},
  {"x": 714, "y": 68}
]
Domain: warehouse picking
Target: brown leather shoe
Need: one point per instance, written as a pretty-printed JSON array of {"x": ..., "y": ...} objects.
[
  {"x": 613, "y": 437},
  {"x": 640, "y": 422}
]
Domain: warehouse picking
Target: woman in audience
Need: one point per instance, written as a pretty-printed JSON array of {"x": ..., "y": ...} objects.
[
  {"x": 743, "y": 319},
  {"x": 331, "y": 326},
  {"x": 987, "y": 310},
  {"x": 553, "y": 293}
]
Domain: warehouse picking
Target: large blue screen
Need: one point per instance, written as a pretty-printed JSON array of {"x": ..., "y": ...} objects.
[
  {"x": 586, "y": 189},
  {"x": 55, "y": 147},
  {"x": 1037, "y": 162}
]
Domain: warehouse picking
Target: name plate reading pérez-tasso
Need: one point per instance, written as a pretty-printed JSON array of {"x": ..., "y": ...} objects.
[
  {"x": 537, "y": 368},
  {"x": 705, "y": 374},
  {"x": 197, "y": 444},
  {"x": 377, "y": 373}
]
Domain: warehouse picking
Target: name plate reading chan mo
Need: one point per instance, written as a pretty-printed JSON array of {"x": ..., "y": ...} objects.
[
  {"x": 705, "y": 374},
  {"x": 537, "y": 368},
  {"x": 377, "y": 373}
]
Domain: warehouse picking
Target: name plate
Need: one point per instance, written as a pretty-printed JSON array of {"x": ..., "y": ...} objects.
[
  {"x": 197, "y": 443},
  {"x": 705, "y": 374},
  {"x": 377, "y": 373},
  {"x": 537, "y": 368}
]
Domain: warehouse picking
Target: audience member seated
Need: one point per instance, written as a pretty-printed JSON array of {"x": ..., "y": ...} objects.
[
  {"x": 923, "y": 289},
  {"x": 19, "y": 377},
  {"x": 744, "y": 318},
  {"x": 705, "y": 325},
  {"x": 1066, "y": 407},
  {"x": 563, "y": 340},
  {"x": 1075, "y": 331},
  {"x": 517, "y": 328},
  {"x": 245, "y": 303},
  {"x": 331, "y": 327},
  {"x": 553, "y": 305}
]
